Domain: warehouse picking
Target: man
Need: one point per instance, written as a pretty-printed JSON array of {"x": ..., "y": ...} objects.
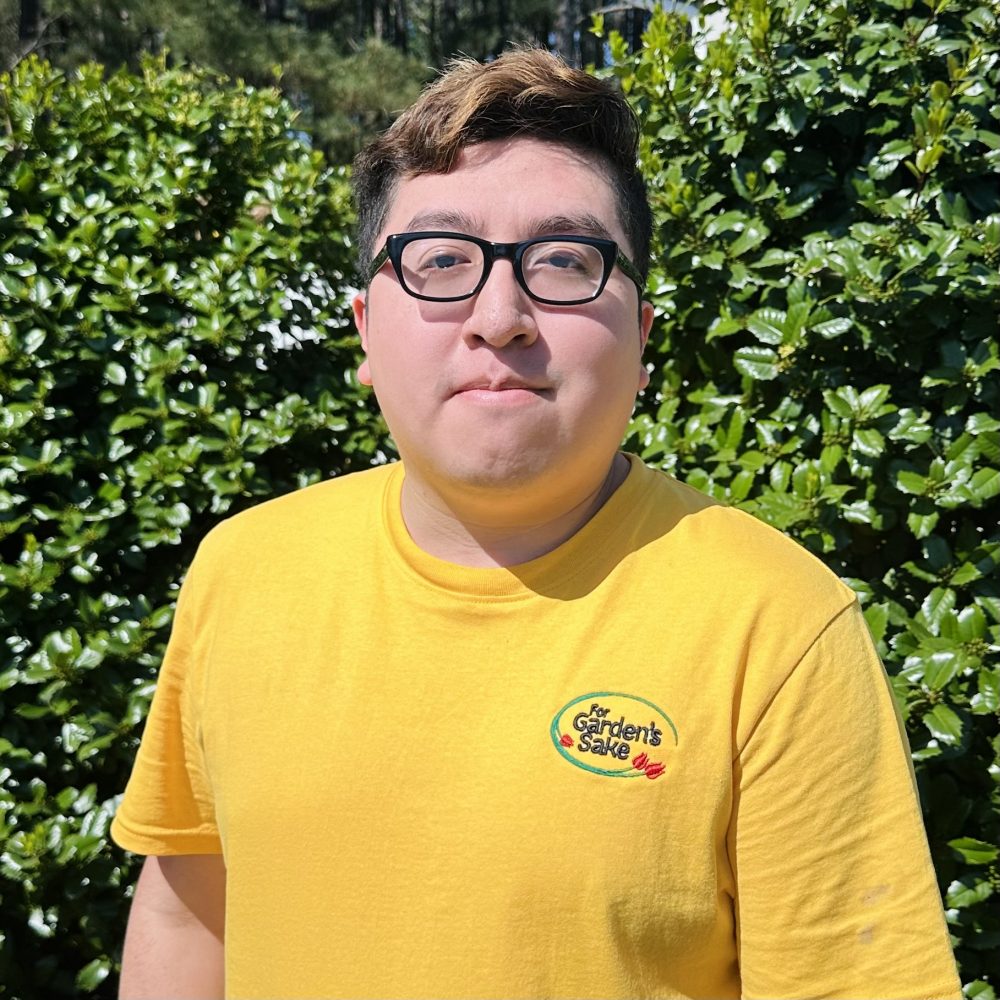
[{"x": 519, "y": 717}]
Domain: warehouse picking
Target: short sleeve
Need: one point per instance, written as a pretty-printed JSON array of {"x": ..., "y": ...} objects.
[
  {"x": 836, "y": 895},
  {"x": 168, "y": 804}
]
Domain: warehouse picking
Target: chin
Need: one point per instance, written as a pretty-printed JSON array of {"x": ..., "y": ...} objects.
[{"x": 499, "y": 472}]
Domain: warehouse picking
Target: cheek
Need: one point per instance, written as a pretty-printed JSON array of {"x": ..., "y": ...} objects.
[
  {"x": 609, "y": 354},
  {"x": 404, "y": 372}
]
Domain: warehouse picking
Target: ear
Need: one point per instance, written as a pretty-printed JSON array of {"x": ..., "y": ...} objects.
[
  {"x": 359, "y": 305},
  {"x": 646, "y": 315}
]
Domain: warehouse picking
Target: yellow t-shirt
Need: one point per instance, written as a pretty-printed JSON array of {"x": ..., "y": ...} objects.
[{"x": 659, "y": 761}]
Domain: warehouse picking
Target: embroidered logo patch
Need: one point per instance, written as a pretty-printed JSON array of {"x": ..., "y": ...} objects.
[{"x": 614, "y": 734}]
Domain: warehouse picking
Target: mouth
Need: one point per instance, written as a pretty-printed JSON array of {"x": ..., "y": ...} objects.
[
  {"x": 506, "y": 391},
  {"x": 502, "y": 384}
]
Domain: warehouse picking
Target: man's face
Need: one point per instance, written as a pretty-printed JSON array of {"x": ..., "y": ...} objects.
[{"x": 499, "y": 391}]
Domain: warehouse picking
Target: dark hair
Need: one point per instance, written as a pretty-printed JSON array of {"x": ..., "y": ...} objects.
[{"x": 525, "y": 92}]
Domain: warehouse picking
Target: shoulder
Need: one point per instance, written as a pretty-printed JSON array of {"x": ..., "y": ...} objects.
[
  {"x": 757, "y": 603},
  {"x": 715, "y": 546},
  {"x": 312, "y": 523},
  {"x": 332, "y": 499}
]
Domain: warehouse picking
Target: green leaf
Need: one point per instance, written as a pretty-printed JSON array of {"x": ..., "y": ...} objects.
[
  {"x": 833, "y": 327},
  {"x": 93, "y": 974},
  {"x": 877, "y": 617},
  {"x": 760, "y": 363},
  {"x": 985, "y": 484},
  {"x": 971, "y": 624},
  {"x": 11, "y": 286},
  {"x": 869, "y": 442},
  {"x": 127, "y": 421},
  {"x": 838, "y": 404},
  {"x": 987, "y": 698},
  {"x": 774, "y": 257},
  {"x": 779, "y": 476},
  {"x": 725, "y": 222},
  {"x": 752, "y": 236},
  {"x": 941, "y": 668},
  {"x": 975, "y": 852},
  {"x": 922, "y": 524},
  {"x": 991, "y": 605},
  {"x": 979, "y": 989},
  {"x": 911, "y": 482},
  {"x": 982, "y": 423},
  {"x": 767, "y": 325},
  {"x": 791, "y": 118},
  {"x": 724, "y": 327},
  {"x": 938, "y": 553},
  {"x": 936, "y": 606},
  {"x": 966, "y": 892},
  {"x": 33, "y": 341},
  {"x": 966, "y": 573},
  {"x": 944, "y": 724}
]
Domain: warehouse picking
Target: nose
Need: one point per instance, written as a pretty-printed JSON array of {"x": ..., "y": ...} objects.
[{"x": 502, "y": 312}]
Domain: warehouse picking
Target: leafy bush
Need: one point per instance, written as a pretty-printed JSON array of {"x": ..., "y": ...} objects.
[
  {"x": 824, "y": 180},
  {"x": 825, "y": 183},
  {"x": 173, "y": 347}
]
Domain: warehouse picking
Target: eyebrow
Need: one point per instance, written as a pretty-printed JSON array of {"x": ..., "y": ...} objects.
[
  {"x": 453, "y": 221},
  {"x": 571, "y": 225},
  {"x": 552, "y": 225}
]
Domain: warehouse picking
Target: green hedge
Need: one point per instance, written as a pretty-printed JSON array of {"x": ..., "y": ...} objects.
[
  {"x": 828, "y": 219},
  {"x": 169, "y": 254},
  {"x": 826, "y": 183}
]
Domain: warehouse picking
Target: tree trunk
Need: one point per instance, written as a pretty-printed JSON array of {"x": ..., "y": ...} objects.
[
  {"x": 449, "y": 27},
  {"x": 566, "y": 28},
  {"x": 29, "y": 25},
  {"x": 433, "y": 43},
  {"x": 638, "y": 26},
  {"x": 400, "y": 28},
  {"x": 323, "y": 18},
  {"x": 273, "y": 10}
]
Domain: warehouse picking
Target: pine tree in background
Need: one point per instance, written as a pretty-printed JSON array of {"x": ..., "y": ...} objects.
[{"x": 348, "y": 66}]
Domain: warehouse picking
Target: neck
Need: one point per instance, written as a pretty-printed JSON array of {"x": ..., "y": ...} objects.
[{"x": 491, "y": 531}]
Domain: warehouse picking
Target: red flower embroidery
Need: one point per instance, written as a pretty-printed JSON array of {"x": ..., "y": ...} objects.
[
  {"x": 640, "y": 762},
  {"x": 566, "y": 741},
  {"x": 655, "y": 769}
]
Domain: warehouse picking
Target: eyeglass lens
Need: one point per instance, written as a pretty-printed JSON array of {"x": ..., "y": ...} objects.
[{"x": 449, "y": 267}]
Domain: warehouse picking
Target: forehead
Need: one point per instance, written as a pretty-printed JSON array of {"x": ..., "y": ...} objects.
[{"x": 508, "y": 190}]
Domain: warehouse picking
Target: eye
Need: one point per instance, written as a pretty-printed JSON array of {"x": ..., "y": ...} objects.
[
  {"x": 565, "y": 259},
  {"x": 439, "y": 257},
  {"x": 441, "y": 261}
]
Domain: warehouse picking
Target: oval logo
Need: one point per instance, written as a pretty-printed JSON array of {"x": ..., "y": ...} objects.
[{"x": 614, "y": 734}]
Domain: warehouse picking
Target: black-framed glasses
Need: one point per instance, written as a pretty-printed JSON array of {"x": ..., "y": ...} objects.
[{"x": 555, "y": 270}]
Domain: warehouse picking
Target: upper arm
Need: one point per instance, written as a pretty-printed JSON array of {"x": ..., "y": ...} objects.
[
  {"x": 174, "y": 941},
  {"x": 168, "y": 807},
  {"x": 187, "y": 888},
  {"x": 836, "y": 892}
]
